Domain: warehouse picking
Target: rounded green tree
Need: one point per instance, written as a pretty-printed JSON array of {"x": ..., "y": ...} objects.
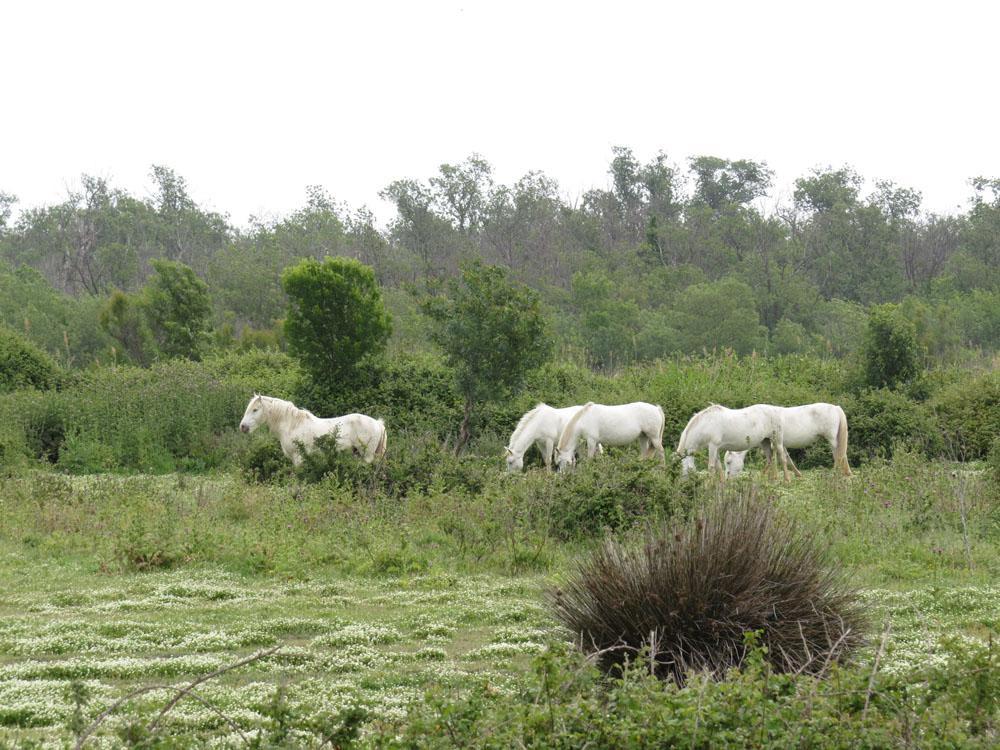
[
  {"x": 178, "y": 309},
  {"x": 891, "y": 352},
  {"x": 24, "y": 365},
  {"x": 335, "y": 316},
  {"x": 493, "y": 333}
]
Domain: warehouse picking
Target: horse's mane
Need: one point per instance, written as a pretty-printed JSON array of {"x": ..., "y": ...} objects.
[
  {"x": 528, "y": 416},
  {"x": 288, "y": 410},
  {"x": 683, "y": 438},
  {"x": 571, "y": 425}
]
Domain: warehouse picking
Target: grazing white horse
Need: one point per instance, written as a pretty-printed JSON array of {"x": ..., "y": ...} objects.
[
  {"x": 542, "y": 427},
  {"x": 612, "y": 425},
  {"x": 358, "y": 433},
  {"x": 801, "y": 427},
  {"x": 731, "y": 429}
]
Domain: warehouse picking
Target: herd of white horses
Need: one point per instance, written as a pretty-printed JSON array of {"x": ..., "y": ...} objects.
[{"x": 559, "y": 433}]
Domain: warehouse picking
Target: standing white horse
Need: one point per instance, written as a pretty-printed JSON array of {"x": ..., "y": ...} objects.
[
  {"x": 731, "y": 429},
  {"x": 355, "y": 432},
  {"x": 612, "y": 425},
  {"x": 542, "y": 427},
  {"x": 801, "y": 427}
]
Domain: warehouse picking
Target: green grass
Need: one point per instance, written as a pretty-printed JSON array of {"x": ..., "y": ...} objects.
[{"x": 374, "y": 601}]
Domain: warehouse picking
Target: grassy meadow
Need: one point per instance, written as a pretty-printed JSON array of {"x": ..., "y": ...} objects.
[
  {"x": 145, "y": 544},
  {"x": 117, "y": 583}
]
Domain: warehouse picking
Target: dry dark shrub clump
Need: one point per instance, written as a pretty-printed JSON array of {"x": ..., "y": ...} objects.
[{"x": 685, "y": 599}]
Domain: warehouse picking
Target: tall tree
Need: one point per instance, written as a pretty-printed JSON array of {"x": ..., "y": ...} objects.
[
  {"x": 492, "y": 332},
  {"x": 891, "y": 353},
  {"x": 720, "y": 182},
  {"x": 460, "y": 191},
  {"x": 178, "y": 309},
  {"x": 335, "y": 318},
  {"x": 418, "y": 229}
]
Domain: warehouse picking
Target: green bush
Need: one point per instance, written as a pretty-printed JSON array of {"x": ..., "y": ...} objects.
[
  {"x": 262, "y": 460},
  {"x": 565, "y": 702},
  {"x": 157, "y": 419},
  {"x": 878, "y": 419},
  {"x": 891, "y": 352},
  {"x": 610, "y": 492},
  {"x": 412, "y": 392},
  {"x": 993, "y": 462},
  {"x": 24, "y": 365},
  {"x": 34, "y": 423},
  {"x": 336, "y": 318},
  {"x": 969, "y": 415},
  {"x": 266, "y": 371}
]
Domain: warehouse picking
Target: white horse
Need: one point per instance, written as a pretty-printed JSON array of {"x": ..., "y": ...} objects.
[
  {"x": 542, "y": 427},
  {"x": 731, "y": 429},
  {"x": 801, "y": 427},
  {"x": 612, "y": 425},
  {"x": 358, "y": 433}
]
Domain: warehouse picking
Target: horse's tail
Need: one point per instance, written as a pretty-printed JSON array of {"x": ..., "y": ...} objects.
[
  {"x": 380, "y": 448},
  {"x": 659, "y": 437},
  {"x": 682, "y": 440},
  {"x": 840, "y": 450},
  {"x": 567, "y": 432}
]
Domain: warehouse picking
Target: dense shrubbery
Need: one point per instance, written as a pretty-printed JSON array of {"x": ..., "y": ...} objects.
[
  {"x": 183, "y": 415},
  {"x": 567, "y": 703},
  {"x": 969, "y": 415},
  {"x": 412, "y": 392},
  {"x": 879, "y": 419},
  {"x": 612, "y": 493},
  {"x": 24, "y": 365}
]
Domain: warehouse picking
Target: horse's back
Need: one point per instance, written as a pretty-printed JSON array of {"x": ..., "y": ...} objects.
[
  {"x": 623, "y": 423},
  {"x": 802, "y": 425}
]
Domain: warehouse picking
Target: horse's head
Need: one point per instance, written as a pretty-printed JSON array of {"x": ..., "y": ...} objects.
[
  {"x": 687, "y": 465},
  {"x": 253, "y": 414},
  {"x": 734, "y": 462},
  {"x": 515, "y": 461},
  {"x": 565, "y": 459}
]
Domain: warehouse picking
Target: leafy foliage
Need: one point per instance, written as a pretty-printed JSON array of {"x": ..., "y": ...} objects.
[
  {"x": 891, "y": 356},
  {"x": 969, "y": 415},
  {"x": 882, "y": 419},
  {"x": 177, "y": 307},
  {"x": 566, "y": 702},
  {"x": 336, "y": 317},
  {"x": 24, "y": 365},
  {"x": 492, "y": 332}
]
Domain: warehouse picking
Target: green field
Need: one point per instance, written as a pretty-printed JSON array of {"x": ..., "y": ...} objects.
[{"x": 371, "y": 604}]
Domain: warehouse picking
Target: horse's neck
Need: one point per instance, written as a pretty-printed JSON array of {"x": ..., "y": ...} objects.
[
  {"x": 692, "y": 439},
  {"x": 283, "y": 416},
  {"x": 524, "y": 434}
]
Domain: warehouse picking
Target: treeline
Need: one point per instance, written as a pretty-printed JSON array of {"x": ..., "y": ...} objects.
[{"x": 667, "y": 260}]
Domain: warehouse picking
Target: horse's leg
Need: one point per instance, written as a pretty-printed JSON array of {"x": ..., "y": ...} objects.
[
  {"x": 546, "y": 447},
  {"x": 656, "y": 448},
  {"x": 765, "y": 448},
  {"x": 791, "y": 462},
  {"x": 644, "y": 448},
  {"x": 591, "y": 447},
  {"x": 369, "y": 449},
  {"x": 784, "y": 460},
  {"x": 713, "y": 461}
]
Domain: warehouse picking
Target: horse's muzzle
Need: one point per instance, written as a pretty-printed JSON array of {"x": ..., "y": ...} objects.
[{"x": 244, "y": 428}]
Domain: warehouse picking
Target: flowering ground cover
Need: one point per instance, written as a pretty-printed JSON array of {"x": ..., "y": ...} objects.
[{"x": 77, "y": 633}]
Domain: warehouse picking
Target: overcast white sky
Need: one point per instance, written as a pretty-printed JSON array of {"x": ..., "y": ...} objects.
[{"x": 251, "y": 102}]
